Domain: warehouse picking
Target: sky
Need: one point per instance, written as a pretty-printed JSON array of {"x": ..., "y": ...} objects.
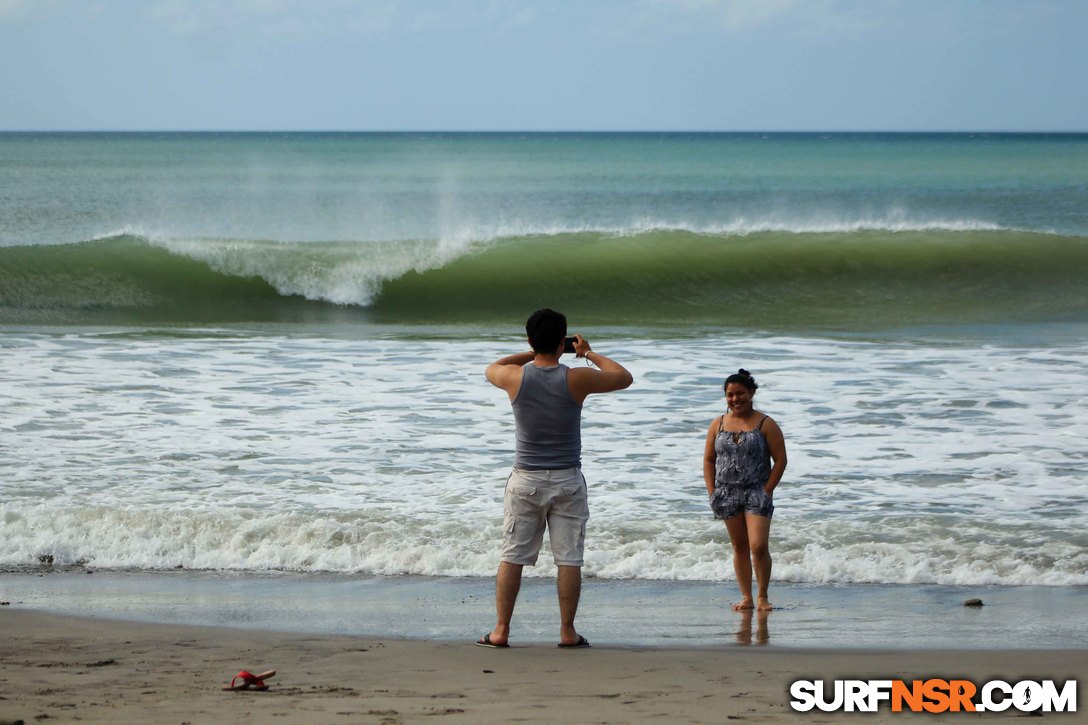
[{"x": 544, "y": 65}]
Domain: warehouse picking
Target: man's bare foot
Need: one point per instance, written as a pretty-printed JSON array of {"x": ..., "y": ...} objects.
[
  {"x": 763, "y": 605},
  {"x": 743, "y": 605},
  {"x": 579, "y": 643}
]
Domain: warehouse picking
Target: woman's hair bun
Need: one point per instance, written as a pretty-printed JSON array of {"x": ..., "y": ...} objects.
[{"x": 743, "y": 377}]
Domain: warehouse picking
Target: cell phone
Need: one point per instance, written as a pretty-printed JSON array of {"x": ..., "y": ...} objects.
[{"x": 568, "y": 344}]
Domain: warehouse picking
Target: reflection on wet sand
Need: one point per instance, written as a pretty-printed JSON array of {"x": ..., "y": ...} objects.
[{"x": 762, "y": 633}]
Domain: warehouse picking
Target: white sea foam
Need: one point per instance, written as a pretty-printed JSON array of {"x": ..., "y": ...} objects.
[
  {"x": 956, "y": 463},
  {"x": 818, "y": 224},
  {"x": 342, "y": 273}
]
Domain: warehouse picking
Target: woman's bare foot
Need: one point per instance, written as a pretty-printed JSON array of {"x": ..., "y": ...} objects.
[
  {"x": 763, "y": 605},
  {"x": 743, "y": 605}
]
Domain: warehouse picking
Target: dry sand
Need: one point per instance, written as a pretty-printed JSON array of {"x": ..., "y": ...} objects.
[{"x": 57, "y": 669}]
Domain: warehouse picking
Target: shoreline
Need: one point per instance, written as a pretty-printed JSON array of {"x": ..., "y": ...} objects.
[
  {"x": 88, "y": 669},
  {"x": 634, "y": 613}
]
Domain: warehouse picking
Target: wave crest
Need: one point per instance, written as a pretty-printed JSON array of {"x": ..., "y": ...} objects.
[{"x": 856, "y": 275}]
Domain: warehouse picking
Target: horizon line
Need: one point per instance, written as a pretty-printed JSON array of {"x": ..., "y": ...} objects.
[{"x": 542, "y": 131}]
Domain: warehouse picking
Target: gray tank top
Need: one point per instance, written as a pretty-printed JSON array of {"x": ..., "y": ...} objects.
[{"x": 549, "y": 421}]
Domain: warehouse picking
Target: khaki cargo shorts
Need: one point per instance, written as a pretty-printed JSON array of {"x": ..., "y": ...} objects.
[{"x": 535, "y": 500}]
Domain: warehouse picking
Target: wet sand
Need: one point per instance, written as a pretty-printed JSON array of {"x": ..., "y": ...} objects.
[
  {"x": 624, "y": 612},
  {"x": 58, "y": 668}
]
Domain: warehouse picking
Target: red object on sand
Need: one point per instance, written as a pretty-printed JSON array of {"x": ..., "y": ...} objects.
[{"x": 250, "y": 681}]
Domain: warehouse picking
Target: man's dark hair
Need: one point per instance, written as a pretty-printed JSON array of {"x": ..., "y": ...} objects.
[{"x": 546, "y": 329}]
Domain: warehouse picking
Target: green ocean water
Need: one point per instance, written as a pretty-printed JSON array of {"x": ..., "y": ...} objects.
[
  {"x": 782, "y": 231},
  {"x": 779, "y": 280}
]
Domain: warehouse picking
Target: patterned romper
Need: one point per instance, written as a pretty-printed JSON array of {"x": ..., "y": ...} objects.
[{"x": 741, "y": 470}]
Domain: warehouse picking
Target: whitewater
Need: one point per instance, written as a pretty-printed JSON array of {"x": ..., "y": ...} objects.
[
  {"x": 908, "y": 463},
  {"x": 263, "y": 354}
]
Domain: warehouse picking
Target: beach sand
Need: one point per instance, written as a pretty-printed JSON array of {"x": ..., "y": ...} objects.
[{"x": 57, "y": 668}]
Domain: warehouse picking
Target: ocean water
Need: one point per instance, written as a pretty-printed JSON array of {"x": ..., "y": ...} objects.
[{"x": 264, "y": 353}]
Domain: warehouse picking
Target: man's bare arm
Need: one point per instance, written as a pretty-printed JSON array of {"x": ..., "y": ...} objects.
[
  {"x": 506, "y": 372},
  {"x": 585, "y": 381}
]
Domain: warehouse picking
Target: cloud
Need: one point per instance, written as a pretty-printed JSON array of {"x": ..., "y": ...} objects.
[
  {"x": 850, "y": 18},
  {"x": 733, "y": 15},
  {"x": 190, "y": 17},
  {"x": 739, "y": 15},
  {"x": 289, "y": 17},
  {"x": 10, "y": 7},
  {"x": 813, "y": 19},
  {"x": 11, "y": 10}
]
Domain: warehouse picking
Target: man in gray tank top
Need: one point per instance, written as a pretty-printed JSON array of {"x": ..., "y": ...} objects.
[{"x": 546, "y": 489}]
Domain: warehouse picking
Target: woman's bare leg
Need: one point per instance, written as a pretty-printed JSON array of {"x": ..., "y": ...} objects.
[
  {"x": 759, "y": 533},
  {"x": 737, "y": 527}
]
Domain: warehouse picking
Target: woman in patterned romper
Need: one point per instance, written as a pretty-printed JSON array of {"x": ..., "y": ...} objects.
[{"x": 743, "y": 462}]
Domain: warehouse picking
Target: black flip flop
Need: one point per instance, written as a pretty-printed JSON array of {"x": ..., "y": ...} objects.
[
  {"x": 485, "y": 641},
  {"x": 582, "y": 643}
]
